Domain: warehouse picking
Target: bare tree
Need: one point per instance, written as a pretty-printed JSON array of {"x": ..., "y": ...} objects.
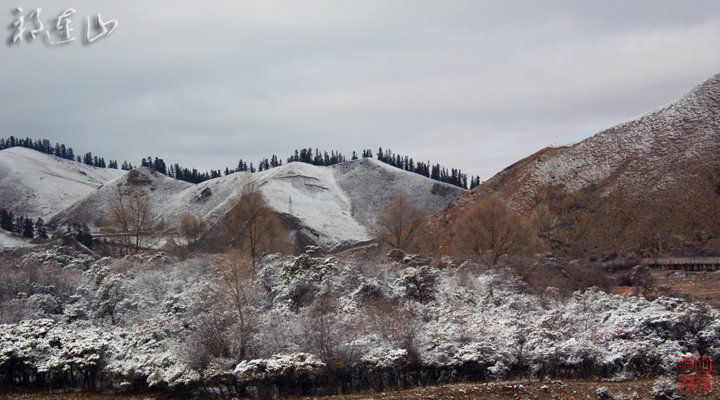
[
  {"x": 401, "y": 223},
  {"x": 490, "y": 229},
  {"x": 252, "y": 224},
  {"x": 191, "y": 228},
  {"x": 237, "y": 281},
  {"x": 132, "y": 217}
]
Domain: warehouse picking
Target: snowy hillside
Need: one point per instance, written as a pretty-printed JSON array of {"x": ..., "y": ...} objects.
[
  {"x": 646, "y": 186},
  {"x": 92, "y": 210},
  {"x": 371, "y": 185},
  {"x": 336, "y": 205},
  {"x": 40, "y": 185},
  {"x": 649, "y": 153}
]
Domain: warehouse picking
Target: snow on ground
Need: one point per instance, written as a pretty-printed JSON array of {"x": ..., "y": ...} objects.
[
  {"x": 40, "y": 185},
  {"x": 9, "y": 240},
  {"x": 92, "y": 210},
  {"x": 317, "y": 200},
  {"x": 640, "y": 155},
  {"x": 371, "y": 185},
  {"x": 336, "y": 205},
  {"x": 145, "y": 323}
]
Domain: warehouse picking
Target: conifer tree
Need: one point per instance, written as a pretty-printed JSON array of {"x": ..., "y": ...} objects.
[
  {"x": 6, "y": 220},
  {"x": 18, "y": 224},
  {"x": 28, "y": 229},
  {"x": 40, "y": 230}
]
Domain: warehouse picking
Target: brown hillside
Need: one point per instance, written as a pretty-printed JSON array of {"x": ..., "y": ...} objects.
[{"x": 648, "y": 185}]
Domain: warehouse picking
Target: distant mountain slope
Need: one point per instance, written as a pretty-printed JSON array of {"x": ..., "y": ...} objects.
[
  {"x": 648, "y": 154},
  {"x": 371, "y": 185},
  {"x": 40, "y": 185},
  {"x": 654, "y": 178},
  {"x": 333, "y": 206},
  {"x": 93, "y": 209}
]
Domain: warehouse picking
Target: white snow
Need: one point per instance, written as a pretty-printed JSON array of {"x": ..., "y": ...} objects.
[
  {"x": 317, "y": 200},
  {"x": 335, "y": 205},
  {"x": 9, "y": 240},
  {"x": 40, "y": 185},
  {"x": 471, "y": 319},
  {"x": 640, "y": 155}
]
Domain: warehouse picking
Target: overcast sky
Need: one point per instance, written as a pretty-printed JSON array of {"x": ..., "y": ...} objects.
[{"x": 470, "y": 84}]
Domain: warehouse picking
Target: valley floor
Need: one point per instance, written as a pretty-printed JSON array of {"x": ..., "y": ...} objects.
[
  {"x": 521, "y": 389},
  {"x": 556, "y": 389}
]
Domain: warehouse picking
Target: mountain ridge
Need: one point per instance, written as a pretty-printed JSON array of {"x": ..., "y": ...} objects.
[
  {"x": 661, "y": 163},
  {"x": 639, "y": 136},
  {"x": 38, "y": 185},
  {"x": 333, "y": 205}
]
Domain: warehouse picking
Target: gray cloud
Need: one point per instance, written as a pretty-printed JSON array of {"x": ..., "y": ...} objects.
[{"x": 469, "y": 84}]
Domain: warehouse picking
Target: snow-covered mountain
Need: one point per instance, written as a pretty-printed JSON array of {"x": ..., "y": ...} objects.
[
  {"x": 656, "y": 167},
  {"x": 647, "y": 154},
  {"x": 333, "y": 206},
  {"x": 38, "y": 185}
]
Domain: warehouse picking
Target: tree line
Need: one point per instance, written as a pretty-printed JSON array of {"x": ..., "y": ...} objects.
[
  {"x": 22, "y": 225},
  {"x": 38, "y": 229},
  {"x": 436, "y": 172},
  {"x": 62, "y": 151},
  {"x": 309, "y": 156}
]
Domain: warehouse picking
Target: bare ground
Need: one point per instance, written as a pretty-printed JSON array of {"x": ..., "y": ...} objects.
[
  {"x": 555, "y": 389},
  {"x": 515, "y": 390}
]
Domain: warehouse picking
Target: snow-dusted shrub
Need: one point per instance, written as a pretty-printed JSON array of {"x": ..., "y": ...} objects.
[
  {"x": 45, "y": 304},
  {"x": 134, "y": 325},
  {"x": 415, "y": 260},
  {"x": 281, "y": 332},
  {"x": 35, "y": 290},
  {"x": 369, "y": 289},
  {"x": 395, "y": 324},
  {"x": 48, "y": 353},
  {"x": 603, "y": 393},
  {"x": 384, "y": 359},
  {"x": 211, "y": 338},
  {"x": 78, "y": 306},
  {"x": 294, "y": 282},
  {"x": 279, "y": 365},
  {"x": 147, "y": 356},
  {"x": 396, "y": 255},
  {"x": 14, "y": 310},
  {"x": 330, "y": 334},
  {"x": 56, "y": 256},
  {"x": 419, "y": 283},
  {"x": 383, "y": 367},
  {"x": 665, "y": 389},
  {"x": 287, "y": 370}
]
